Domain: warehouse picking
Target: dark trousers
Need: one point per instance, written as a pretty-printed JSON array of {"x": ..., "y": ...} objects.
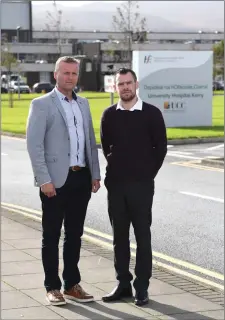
[
  {"x": 131, "y": 203},
  {"x": 70, "y": 205}
]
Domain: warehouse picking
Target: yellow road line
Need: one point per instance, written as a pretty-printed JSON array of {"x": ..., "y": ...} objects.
[
  {"x": 110, "y": 246},
  {"x": 162, "y": 256},
  {"x": 195, "y": 165},
  {"x": 20, "y": 208},
  {"x": 22, "y": 212}
]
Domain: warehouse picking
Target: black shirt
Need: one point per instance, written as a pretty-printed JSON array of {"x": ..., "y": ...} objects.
[{"x": 134, "y": 143}]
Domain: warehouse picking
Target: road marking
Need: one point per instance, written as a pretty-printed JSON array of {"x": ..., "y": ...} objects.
[
  {"x": 170, "y": 146},
  {"x": 172, "y": 154},
  {"x": 4, "y": 154},
  {"x": 10, "y": 205},
  {"x": 202, "y": 196},
  {"x": 216, "y": 147},
  {"x": 181, "y": 152},
  {"x": 100, "y": 234},
  {"x": 195, "y": 165},
  {"x": 22, "y": 212}
]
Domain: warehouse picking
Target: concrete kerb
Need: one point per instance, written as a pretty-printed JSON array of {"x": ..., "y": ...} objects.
[
  {"x": 173, "y": 141},
  {"x": 196, "y": 141},
  {"x": 11, "y": 134}
]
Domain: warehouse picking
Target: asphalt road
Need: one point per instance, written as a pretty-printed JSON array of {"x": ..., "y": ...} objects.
[{"x": 186, "y": 224}]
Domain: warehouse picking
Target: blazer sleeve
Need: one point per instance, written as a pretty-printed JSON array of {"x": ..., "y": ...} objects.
[
  {"x": 35, "y": 135},
  {"x": 94, "y": 150}
]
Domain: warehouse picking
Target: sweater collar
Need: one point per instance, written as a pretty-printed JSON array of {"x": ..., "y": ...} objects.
[{"x": 137, "y": 106}]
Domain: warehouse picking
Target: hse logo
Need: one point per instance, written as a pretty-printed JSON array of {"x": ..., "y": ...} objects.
[
  {"x": 174, "y": 106},
  {"x": 148, "y": 59}
]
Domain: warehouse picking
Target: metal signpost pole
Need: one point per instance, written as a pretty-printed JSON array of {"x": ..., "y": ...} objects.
[
  {"x": 112, "y": 97},
  {"x": 18, "y": 29}
]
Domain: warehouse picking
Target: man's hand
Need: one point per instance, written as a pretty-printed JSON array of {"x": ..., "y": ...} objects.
[
  {"x": 95, "y": 185},
  {"x": 48, "y": 189}
]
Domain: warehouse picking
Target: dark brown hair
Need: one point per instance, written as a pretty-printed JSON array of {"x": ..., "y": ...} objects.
[{"x": 125, "y": 71}]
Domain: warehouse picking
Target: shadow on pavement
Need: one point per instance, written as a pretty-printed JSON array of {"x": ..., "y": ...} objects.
[
  {"x": 97, "y": 311},
  {"x": 93, "y": 309},
  {"x": 174, "y": 312}
]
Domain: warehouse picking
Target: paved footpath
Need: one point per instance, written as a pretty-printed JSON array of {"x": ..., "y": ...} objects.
[{"x": 23, "y": 295}]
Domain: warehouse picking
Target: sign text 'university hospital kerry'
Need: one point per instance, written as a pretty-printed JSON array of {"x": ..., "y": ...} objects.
[{"x": 176, "y": 94}]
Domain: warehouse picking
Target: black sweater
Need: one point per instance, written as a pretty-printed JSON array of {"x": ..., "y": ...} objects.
[{"x": 134, "y": 143}]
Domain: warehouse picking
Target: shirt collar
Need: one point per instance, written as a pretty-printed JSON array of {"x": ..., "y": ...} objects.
[
  {"x": 61, "y": 96},
  {"x": 137, "y": 106}
]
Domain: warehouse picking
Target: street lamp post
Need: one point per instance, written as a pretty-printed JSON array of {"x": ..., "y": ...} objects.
[
  {"x": 18, "y": 56},
  {"x": 200, "y": 38},
  {"x": 8, "y": 71},
  {"x": 130, "y": 41}
]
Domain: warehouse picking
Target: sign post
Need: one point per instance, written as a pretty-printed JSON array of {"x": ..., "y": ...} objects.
[
  {"x": 111, "y": 97},
  {"x": 109, "y": 86}
]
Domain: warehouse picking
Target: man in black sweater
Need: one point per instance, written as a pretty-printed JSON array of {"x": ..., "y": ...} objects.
[{"x": 134, "y": 143}]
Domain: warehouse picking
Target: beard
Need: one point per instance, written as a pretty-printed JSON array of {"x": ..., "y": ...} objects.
[{"x": 127, "y": 96}]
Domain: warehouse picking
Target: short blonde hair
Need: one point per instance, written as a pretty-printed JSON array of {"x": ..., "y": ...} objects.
[{"x": 67, "y": 59}]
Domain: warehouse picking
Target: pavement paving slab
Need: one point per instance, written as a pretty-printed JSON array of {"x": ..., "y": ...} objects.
[{"x": 23, "y": 295}]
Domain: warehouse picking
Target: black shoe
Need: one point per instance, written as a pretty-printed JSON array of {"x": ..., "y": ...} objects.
[
  {"x": 141, "y": 298},
  {"x": 118, "y": 293}
]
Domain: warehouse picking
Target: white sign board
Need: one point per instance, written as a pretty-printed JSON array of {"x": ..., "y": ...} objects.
[
  {"x": 109, "y": 83},
  {"x": 179, "y": 83}
]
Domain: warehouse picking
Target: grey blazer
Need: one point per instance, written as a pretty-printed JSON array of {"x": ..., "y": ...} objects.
[{"x": 48, "y": 142}]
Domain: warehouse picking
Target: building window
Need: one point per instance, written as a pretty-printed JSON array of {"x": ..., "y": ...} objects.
[{"x": 14, "y": 39}]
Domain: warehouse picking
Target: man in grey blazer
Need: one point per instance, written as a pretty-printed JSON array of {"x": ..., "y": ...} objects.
[{"x": 64, "y": 158}]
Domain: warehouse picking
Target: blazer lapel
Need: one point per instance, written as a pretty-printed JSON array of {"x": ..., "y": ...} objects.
[
  {"x": 57, "y": 103},
  {"x": 86, "y": 129},
  {"x": 84, "y": 116}
]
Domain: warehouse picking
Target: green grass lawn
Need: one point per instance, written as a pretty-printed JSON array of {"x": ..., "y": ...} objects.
[{"x": 14, "y": 119}]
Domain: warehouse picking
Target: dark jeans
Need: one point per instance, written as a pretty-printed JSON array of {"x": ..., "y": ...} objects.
[
  {"x": 131, "y": 203},
  {"x": 70, "y": 205}
]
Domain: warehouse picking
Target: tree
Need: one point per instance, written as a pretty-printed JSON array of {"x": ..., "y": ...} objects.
[
  {"x": 128, "y": 21},
  {"x": 218, "y": 51},
  {"x": 8, "y": 61},
  {"x": 55, "y": 25}
]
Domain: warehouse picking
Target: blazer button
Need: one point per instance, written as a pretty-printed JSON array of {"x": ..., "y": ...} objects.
[
  {"x": 68, "y": 154},
  {"x": 68, "y": 138}
]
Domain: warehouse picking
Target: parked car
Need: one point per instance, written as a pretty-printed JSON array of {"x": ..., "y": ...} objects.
[
  {"x": 11, "y": 77},
  {"x": 218, "y": 85},
  {"x": 4, "y": 90},
  {"x": 17, "y": 86},
  {"x": 41, "y": 61},
  {"x": 76, "y": 89},
  {"x": 42, "y": 87}
]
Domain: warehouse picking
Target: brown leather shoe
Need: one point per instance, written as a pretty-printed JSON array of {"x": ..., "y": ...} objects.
[
  {"x": 55, "y": 298},
  {"x": 78, "y": 294}
]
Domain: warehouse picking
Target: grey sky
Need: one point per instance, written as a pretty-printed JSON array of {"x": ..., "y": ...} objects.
[{"x": 197, "y": 14}]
